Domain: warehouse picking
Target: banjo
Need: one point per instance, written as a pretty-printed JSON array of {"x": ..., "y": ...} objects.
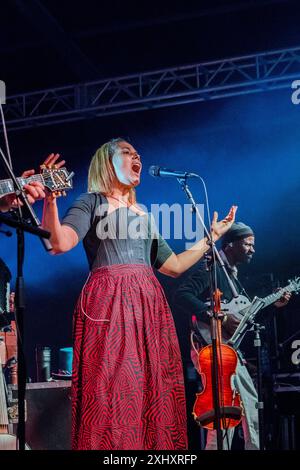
[{"x": 57, "y": 180}]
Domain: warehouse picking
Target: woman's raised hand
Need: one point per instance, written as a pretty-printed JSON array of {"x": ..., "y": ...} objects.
[{"x": 219, "y": 228}]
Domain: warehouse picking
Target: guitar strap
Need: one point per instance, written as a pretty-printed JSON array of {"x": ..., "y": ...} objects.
[
  {"x": 242, "y": 289},
  {"x": 233, "y": 273}
]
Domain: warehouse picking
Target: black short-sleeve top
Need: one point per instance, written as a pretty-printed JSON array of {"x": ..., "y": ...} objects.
[{"x": 121, "y": 237}]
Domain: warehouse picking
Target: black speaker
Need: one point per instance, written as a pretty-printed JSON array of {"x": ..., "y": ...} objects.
[{"x": 48, "y": 411}]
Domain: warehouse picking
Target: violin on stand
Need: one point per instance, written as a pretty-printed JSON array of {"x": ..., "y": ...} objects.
[{"x": 218, "y": 404}]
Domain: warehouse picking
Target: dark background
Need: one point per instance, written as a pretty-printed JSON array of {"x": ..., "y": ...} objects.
[{"x": 246, "y": 148}]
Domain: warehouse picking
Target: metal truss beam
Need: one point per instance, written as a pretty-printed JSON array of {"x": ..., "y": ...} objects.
[{"x": 161, "y": 88}]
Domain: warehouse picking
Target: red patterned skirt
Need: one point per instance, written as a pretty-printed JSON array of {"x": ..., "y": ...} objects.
[{"x": 127, "y": 389}]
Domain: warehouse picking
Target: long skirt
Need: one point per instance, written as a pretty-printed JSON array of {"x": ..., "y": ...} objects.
[{"x": 128, "y": 387}]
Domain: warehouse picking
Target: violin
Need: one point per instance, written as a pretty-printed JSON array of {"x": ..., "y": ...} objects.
[{"x": 228, "y": 398}]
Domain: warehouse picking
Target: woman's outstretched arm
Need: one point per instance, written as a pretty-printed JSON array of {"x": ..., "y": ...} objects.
[{"x": 175, "y": 265}]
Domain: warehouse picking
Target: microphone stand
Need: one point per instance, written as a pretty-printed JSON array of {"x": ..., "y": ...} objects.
[
  {"x": 44, "y": 236},
  {"x": 260, "y": 403},
  {"x": 213, "y": 315}
]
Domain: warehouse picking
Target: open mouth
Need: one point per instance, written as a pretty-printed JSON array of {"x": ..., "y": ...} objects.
[{"x": 136, "y": 167}]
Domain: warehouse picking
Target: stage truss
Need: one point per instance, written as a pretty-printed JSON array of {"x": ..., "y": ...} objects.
[{"x": 150, "y": 90}]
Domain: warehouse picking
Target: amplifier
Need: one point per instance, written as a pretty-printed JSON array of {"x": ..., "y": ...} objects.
[
  {"x": 286, "y": 406},
  {"x": 48, "y": 411}
]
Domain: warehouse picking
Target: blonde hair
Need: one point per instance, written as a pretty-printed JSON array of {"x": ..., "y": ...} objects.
[{"x": 102, "y": 176}]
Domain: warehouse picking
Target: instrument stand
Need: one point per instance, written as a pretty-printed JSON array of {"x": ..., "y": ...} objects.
[
  {"x": 44, "y": 236},
  {"x": 214, "y": 316},
  {"x": 215, "y": 371},
  {"x": 260, "y": 403}
]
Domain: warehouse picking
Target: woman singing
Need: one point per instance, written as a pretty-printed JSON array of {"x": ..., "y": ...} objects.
[{"x": 128, "y": 388}]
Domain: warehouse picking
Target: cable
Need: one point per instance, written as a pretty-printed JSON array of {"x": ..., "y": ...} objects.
[
  {"x": 81, "y": 305},
  {"x": 209, "y": 222}
]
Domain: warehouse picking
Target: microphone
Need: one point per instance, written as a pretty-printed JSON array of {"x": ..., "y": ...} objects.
[{"x": 162, "y": 172}]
